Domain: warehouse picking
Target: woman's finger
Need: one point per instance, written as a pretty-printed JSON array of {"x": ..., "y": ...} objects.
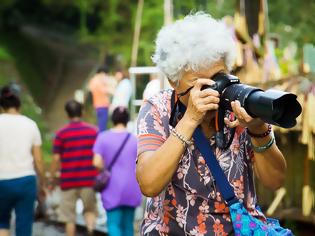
[
  {"x": 245, "y": 115},
  {"x": 204, "y": 104},
  {"x": 208, "y": 107},
  {"x": 209, "y": 92},
  {"x": 242, "y": 112},
  {"x": 210, "y": 99},
  {"x": 201, "y": 82},
  {"x": 236, "y": 110},
  {"x": 231, "y": 124}
]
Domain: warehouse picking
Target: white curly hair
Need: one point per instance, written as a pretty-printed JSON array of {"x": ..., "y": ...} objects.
[{"x": 193, "y": 43}]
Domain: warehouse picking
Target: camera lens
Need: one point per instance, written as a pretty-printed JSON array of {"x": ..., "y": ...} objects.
[
  {"x": 272, "y": 106},
  {"x": 238, "y": 92}
]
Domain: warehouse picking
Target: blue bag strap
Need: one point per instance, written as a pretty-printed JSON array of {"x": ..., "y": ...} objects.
[
  {"x": 204, "y": 148},
  {"x": 121, "y": 147}
]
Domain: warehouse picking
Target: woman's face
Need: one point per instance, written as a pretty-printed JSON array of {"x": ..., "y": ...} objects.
[{"x": 189, "y": 78}]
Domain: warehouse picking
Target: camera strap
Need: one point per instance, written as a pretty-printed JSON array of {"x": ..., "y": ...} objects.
[
  {"x": 220, "y": 136},
  {"x": 178, "y": 110},
  {"x": 175, "y": 102}
]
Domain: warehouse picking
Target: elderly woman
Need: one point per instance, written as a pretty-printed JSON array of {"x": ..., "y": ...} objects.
[{"x": 184, "y": 198}]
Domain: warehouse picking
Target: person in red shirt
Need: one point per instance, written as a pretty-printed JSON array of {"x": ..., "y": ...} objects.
[{"x": 72, "y": 148}]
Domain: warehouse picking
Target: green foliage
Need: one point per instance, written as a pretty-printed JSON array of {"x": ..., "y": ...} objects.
[
  {"x": 4, "y": 54},
  {"x": 114, "y": 32},
  {"x": 110, "y": 24},
  {"x": 7, "y": 3},
  {"x": 292, "y": 20},
  {"x": 152, "y": 21},
  {"x": 31, "y": 110},
  {"x": 217, "y": 9},
  {"x": 26, "y": 54}
]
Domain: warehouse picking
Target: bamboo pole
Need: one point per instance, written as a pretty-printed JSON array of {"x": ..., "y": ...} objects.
[
  {"x": 168, "y": 12},
  {"x": 168, "y": 19},
  {"x": 307, "y": 191},
  {"x": 275, "y": 203},
  {"x": 136, "y": 35}
]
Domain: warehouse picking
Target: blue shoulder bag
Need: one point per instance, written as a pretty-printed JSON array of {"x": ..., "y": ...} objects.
[{"x": 243, "y": 222}]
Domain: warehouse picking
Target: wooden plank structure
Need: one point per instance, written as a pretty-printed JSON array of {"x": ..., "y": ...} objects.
[{"x": 257, "y": 65}]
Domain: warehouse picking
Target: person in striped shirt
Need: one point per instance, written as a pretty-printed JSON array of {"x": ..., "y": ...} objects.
[{"x": 72, "y": 148}]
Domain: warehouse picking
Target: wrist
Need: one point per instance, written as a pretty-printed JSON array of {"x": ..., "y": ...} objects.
[
  {"x": 260, "y": 132},
  {"x": 264, "y": 147},
  {"x": 185, "y": 141},
  {"x": 189, "y": 121},
  {"x": 258, "y": 129}
]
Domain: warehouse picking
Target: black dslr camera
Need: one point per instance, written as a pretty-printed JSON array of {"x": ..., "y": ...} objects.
[{"x": 272, "y": 106}]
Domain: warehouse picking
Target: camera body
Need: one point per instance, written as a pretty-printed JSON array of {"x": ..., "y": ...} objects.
[
  {"x": 222, "y": 81},
  {"x": 272, "y": 106}
]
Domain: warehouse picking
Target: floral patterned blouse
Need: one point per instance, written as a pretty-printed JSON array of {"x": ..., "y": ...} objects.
[{"x": 191, "y": 204}]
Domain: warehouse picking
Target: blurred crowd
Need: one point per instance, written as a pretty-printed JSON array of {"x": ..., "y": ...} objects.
[{"x": 88, "y": 161}]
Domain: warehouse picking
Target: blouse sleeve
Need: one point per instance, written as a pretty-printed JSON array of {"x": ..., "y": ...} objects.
[{"x": 152, "y": 127}]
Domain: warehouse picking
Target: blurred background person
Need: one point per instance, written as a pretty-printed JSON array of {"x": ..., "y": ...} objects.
[
  {"x": 72, "y": 148},
  {"x": 122, "y": 194},
  {"x": 100, "y": 89},
  {"x": 20, "y": 159},
  {"x": 123, "y": 90},
  {"x": 152, "y": 87}
]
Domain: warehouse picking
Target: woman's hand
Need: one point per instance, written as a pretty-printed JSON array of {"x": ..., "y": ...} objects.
[
  {"x": 98, "y": 161},
  {"x": 243, "y": 119},
  {"x": 200, "y": 102},
  {"x": 271, "y": 159}
]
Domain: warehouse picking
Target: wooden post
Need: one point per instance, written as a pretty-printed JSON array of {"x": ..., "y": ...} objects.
[
  {"x": 136, "y": 35},
  {"x": 307, "y": 192},
  {"x": 168, "y": 19},
  {"x": 276, "y": 201},
  {"x": 168, "y": 12}
]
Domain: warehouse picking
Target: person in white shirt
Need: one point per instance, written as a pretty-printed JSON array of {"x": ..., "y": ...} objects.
[
  {"x": 152, "y": 88},
  {"x": 20, "y": 159},
  {"x": 123, "y": 90}
]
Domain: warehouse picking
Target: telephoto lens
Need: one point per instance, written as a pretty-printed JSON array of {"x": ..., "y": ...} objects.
[{"x": 272, "y": 106}]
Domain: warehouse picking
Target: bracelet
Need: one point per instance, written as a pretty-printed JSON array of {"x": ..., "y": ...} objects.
[
  {"x": 183, "y": 139},
  {"x": 265, "y": 134},
  {"x": 260, "y": 149}
]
